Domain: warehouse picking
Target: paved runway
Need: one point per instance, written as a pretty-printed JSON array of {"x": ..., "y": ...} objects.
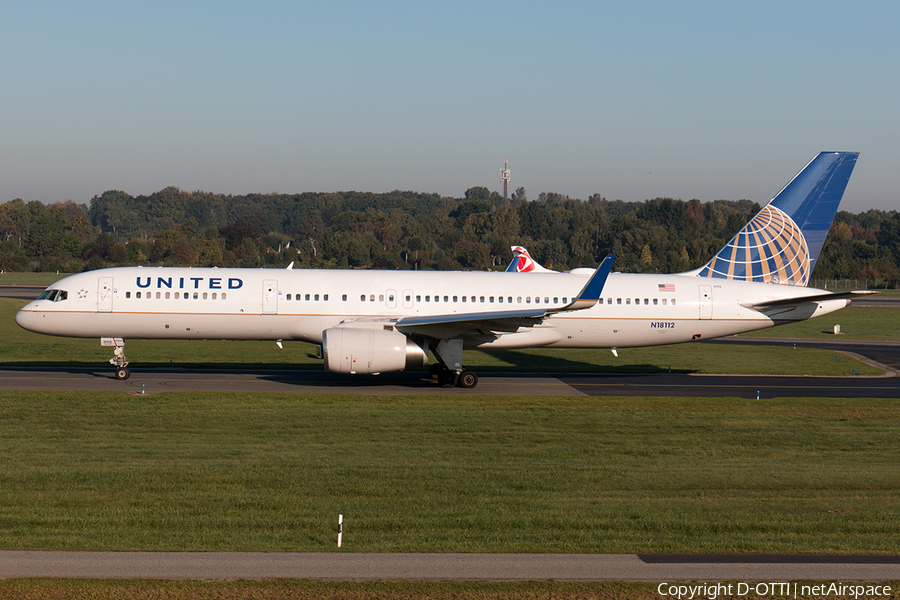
[
  {"x": 153, "y": 381},
  {"x": 459, "y": 567}
]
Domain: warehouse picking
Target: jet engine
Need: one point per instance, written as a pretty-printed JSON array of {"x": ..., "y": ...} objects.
[{"x": 369, "y": 350}]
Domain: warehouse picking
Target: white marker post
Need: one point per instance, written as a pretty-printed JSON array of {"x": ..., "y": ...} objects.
[{"x": 340, "y": 529}]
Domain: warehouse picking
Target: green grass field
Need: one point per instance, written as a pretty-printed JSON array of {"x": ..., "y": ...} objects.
[
  {"x": 187, "y": 471},
  {"x": 350, "y": 590},
  {"x": 19, "y": 347}
]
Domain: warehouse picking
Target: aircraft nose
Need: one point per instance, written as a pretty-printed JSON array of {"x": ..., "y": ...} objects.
[{"x": 25, "y": 318}]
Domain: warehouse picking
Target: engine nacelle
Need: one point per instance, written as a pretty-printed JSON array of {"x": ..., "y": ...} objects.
[{"x": 369, "y": 350}]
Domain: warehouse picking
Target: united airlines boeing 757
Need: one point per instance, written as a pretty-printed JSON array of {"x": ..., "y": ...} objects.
[{"x": 381, "y": 321}]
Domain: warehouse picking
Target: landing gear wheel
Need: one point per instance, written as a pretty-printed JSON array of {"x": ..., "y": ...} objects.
[
  {"x": 436, "y": 369},
  {"x": 447, "y": 379},
  {"x": 122, "y": 373},
  {"x": 468, "y": 379}
]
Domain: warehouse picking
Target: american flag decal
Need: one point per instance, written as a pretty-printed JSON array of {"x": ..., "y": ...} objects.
[{"x": 667, "y": 287}]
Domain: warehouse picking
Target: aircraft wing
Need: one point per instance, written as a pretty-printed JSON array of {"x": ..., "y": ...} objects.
[{"x": 453, "y": 324}]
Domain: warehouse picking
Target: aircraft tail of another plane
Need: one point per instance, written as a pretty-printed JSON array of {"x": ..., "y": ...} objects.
[
  {"x": 782, "y": 242},
  {"x": 523, "y": 263}
]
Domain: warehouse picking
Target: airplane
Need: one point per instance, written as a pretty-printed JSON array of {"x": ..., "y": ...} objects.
[{"x": 374, "y": 321}]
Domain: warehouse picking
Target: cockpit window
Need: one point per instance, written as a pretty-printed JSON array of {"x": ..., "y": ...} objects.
[{"x": 54, "y": 295}]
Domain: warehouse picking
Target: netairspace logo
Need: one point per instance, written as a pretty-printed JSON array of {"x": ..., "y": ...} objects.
[{"x": 786, "y": 589}]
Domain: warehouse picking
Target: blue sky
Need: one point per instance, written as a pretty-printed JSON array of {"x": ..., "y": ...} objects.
[{"x": 631, "y": 100}]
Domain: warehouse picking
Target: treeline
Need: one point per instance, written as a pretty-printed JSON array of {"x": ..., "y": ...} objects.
[{"x": 408, "y": 230}]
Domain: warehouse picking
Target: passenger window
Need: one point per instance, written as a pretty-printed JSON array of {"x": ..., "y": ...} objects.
[
  {"x": 288, "y": 297},
  {"x": 316, "y": 297},
  {"x": 446, "y": 298},
  {"x": 307, "y": 297},
  {"x": 325, "y": 297},
  {"x": 655, "y": 302},
  {"x": 158, "y": 295},
  {"x": 618, "y": 301},
  {"x": 456, "y": 298},
  {"x": 381, "y": 297},
  {"x": 673, "y": 301},
  {"x": 196, "y": 295},
  {"x": 500, "y": 299},
  {"x": 344, "y": 297},
  {"x": 391, "y": 298},
  {"x": 137, "y": 295},
  {"x": 473, "y": 298},
  {"x": 627, "y": 300},
  {"x": 127, "y": 295},
  {"x": 204, "y": 295},
  {"x": 463, "y": 298},
  {"x": 519, "y": 299},
  {"x": 223, "y": 295},
  {"x": 537, "y": 300},
  {"x": 427, "y": 298},
  {"x": 176, "y": 295},
  {"x": 509, "y": 299},
  {"x": 214, "y": 296},
  {"x": 527, "y": 299},
  {"x": 664, "y": 301},
  {"x": 418, "y": 298},
  {"x": 168, "y": 295},
  {"x": 362, "y": 297},
  {"x": 372, "y": 298},
  {"x": 408, "y": 298},
  {"x": 482, "y": 299}
]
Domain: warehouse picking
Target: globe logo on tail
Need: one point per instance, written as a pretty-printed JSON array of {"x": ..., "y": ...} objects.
[{"x": 769, "y": 249}]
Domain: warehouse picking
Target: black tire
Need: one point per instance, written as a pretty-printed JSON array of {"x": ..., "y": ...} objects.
[
  {"x": 447, "y": 379},
  {"x": 122, "y": 373},
  {"x": 468, "y": 379},
  {"x": 435, "y": 370}
]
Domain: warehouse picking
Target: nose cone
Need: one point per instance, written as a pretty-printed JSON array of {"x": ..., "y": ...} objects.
[{"x": 25, "y": 319}]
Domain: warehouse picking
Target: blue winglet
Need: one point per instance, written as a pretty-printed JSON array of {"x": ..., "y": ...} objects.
[{"x": 590, "y": 293}]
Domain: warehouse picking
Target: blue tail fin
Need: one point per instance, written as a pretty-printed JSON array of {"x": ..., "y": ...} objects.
[{"x": 782, "y": 242}]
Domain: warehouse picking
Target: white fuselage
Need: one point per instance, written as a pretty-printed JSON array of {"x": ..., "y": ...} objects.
[{"x": 279, "y": 304}]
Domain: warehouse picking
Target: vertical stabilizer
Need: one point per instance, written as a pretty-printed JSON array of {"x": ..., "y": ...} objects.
[{"x": 783, "y": 241}]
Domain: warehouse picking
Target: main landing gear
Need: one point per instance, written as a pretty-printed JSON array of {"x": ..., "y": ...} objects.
[
  {"x": 448, "y": 379},
  {"x": 449, "y": 372}
]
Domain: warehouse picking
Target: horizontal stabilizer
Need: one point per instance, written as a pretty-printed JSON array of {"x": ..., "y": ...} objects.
[{"x": 802, "y": 299}]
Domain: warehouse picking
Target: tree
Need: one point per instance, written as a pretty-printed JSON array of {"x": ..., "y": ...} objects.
[
  {"x": 519, "y": 196},
  {"x": 646, "y": 256},
  {"x": 478, "y": 193}
]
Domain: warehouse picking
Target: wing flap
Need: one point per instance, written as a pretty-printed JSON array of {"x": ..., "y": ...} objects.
[{"x": 509, "y": 320}]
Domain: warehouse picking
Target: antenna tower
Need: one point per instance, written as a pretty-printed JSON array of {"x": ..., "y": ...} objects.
[{"x": 504, "y": 177}]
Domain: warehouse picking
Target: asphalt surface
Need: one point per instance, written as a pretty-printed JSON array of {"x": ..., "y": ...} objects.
[{"x": 461, "y": 567}]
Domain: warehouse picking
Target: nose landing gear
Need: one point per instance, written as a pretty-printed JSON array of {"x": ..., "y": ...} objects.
[{"x": 119, "y": 361}]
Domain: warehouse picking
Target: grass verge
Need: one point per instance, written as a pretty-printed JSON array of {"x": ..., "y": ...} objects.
[
  {"x": 187, "y": 471},
  {"x": 43, "y": 589}
]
